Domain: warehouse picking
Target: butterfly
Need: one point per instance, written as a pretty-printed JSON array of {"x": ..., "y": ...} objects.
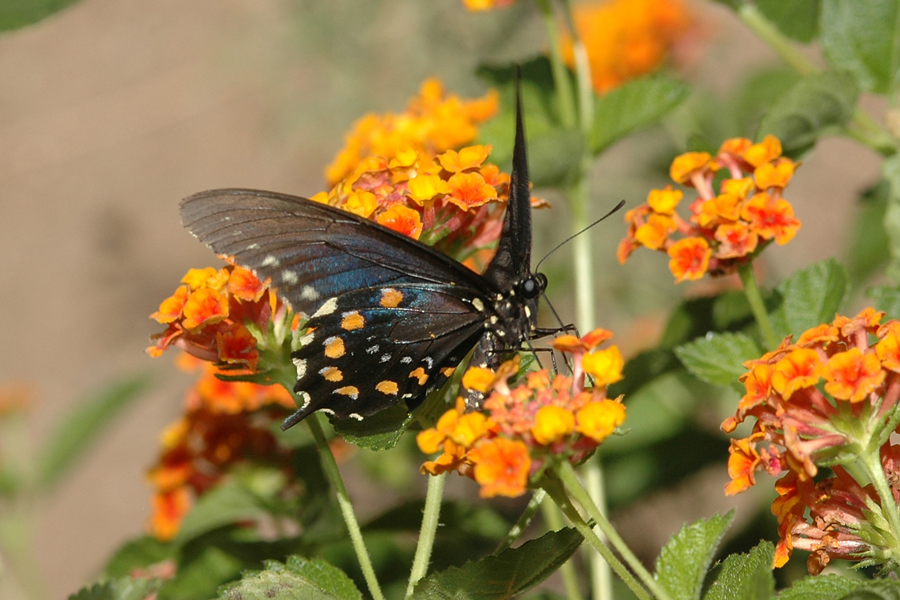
[{"x": 390, "y": 317}]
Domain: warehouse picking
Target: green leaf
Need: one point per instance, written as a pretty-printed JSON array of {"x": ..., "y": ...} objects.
[
  {"x": 718, "y": 357},
  {"x": 821, "y": 587},
  {"x": 884, "y": 589},
  {"x": 810, "y": 296},
  {"x": 685, "y": 559},
  {"x": 638, "y": 103},
  {"x": 123, "y": 588},
  {"x": 224, "y": 505},
  {"x": 19, "y": 13},
  {"x": 863, "y": 39},
  {"x": 814, "y": 106},
  {"x": 81, "y": 426},
  {"x": 798, "y": 19},
  {"x": 202, "y": 575},
  {"x": 745, "y": 576},
  {"x": 298, "y": 579},
  {"x": 891, "y": 172},
  {"x": 381, "y": 431},
  {"x": 733, "y": 4},
  {"x": 138, "y": 554},
  {"x": 505, "y": 575},
  {"x": 886, "y": 298}
]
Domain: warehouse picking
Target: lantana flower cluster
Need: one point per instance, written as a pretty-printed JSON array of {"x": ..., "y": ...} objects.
[
  {"x": 828, "y": 400},
  {"x": 453, "y": 201},
  {"x": 527, "y": 425},
  {"x": 432, "y": 123},
  {"x": 725, "y": 230},
  {"x": 223, "y": 316},
  {"x": 626, "y": 39},
  {"x": 225, "y": 424}
]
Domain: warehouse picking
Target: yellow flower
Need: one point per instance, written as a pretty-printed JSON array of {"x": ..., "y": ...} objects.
[{"x": 552, "y": 423}]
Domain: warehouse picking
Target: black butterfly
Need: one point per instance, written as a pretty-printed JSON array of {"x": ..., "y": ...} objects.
[{"x": 392, "y": 317}]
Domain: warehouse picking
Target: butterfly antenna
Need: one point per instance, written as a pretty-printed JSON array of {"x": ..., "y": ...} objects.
[{"x": 575, "y": 235}]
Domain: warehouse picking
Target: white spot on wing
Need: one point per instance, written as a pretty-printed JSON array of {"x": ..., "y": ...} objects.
[
  {"x": 372, "y": 350},
  {"x": 478, "y": 304},
  {"x": 306, "y": 339},
  {"x": 300, "y": 363},
  {"x": 428, "y": 361},
  {"x": 253, "y": 246},
  {"x": 385, "y": 357},
  {"x": 289, "y": 277},
  {"x": 327, "y": 411},
  {"x": 309, "y": 293},
  {"x": 406, "y": 360},
  {"x": 306, "y": 398},
  {"x": 270, "y": 261},
  {"x": 356, "y": 416},
  {"x": 326, "y": 309}
]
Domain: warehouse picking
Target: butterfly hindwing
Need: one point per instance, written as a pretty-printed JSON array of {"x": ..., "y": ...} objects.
[{"x": 370, "y": 348}]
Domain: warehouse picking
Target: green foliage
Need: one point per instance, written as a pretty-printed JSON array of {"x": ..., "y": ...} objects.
[
  {"x": 718, "y": 357},
  {"x": 869, "y": 247},
  {"x": 798, "y": 19},
  {"x": 19, "y": 13},
  {"x": 297, "y": 578},
  {"x": 123, "y": 588},
  {"x": 821, "y": 587},
  {"x": 863, "y": 39},
  {"x": 809, "y": 297},
  {"x": 891, "y": 173},
  {"x": 815, "y": 106},
  {"x": 682, "y": 564},
  {"x": 745, "y": 576},
  {"x": 503, "y": 576}
]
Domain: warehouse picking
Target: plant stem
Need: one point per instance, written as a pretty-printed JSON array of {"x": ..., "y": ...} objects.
[
  {"x": 565, "y": 101},
  {"x": 329, "y": 466},
  {"x": 524, "y": 519},
  {"x": 558, "y": 494},
  {"x": 553, "y": 516},
  {"x": 430, "y": 518},
  {"x": 785, "y": 48},
  {"x": 871, "y": 462},
  {"x": 570, "y": 480},
  {"x": 754, "y": 297}
]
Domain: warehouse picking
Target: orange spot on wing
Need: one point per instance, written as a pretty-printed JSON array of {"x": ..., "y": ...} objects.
[
  {"x": 334, "y": 348},
  {"x": 352, "y": 321},
  {"x": 390, "y": 298},
  {"x": 349, "y": 390},
  {"x": 332, "y": 374},
  {"x": 421, "y": 375},
  {"x": 387, "y": 387}
]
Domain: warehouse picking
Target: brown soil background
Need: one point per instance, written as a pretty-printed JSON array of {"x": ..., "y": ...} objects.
[{"x": 113, "y": 110}]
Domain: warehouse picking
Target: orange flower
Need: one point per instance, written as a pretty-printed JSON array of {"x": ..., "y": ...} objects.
[
  {"x": 665, "y": 200},
  {"x": 481, "y": 5},
  {"x": 735, "y": 240},
  {"x": 598, "y": 420},
  {"x": 771, "y": 217},
  {"x": 402, "y": 220},
  {"x": 766, "y": 151},
  {"x": 799, "y": 369},
  {"x": 852, "y": 375},
  {"x": 605, "y": 366},
  {"x": 169, "y": 509},
  {"x": 690, "y": 164},
  {"x": 689, "y": 258},
  {"x": 654, "y": 233},
  {"x": 743, "y": 461},
  {"x": 627, "y": 38},
  {"x": 469, "y": 190},
  {"x": 501, "y": 467},
  {"x": 205, "y": 307},
  {"x": 552, "y": 423}
]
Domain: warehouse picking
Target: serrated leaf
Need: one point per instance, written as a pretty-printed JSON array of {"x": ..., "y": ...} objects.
[
  {"x": 505, "y": 575},
  {"x": 745, "y": 576},
  {"x": 381, "y": 431},
  {"x": 80, "y": 427},
  {"x": 138, "y": 554},
  {"x": 19, "y": 13},
  {"x": 123, "y": 588},
  {"x": 815, "y": 105},
  {"x": 224, "y": 505},
  {"x": 810, "y": 296},
  {"x": 685, "y": 559},
  {"x": 886, "y": 298},
  {"x": 798, "y": 19},
  {"x": 863, "y": 39},
  {"x": 884, "y": 589},
  {"x": 298, "y": 579},
  {"x": 891, "y": 171},
  {"x": 638, "y": 103},
  {"x": 821, "y": 587},
  {"x": 718, "y": 357}
]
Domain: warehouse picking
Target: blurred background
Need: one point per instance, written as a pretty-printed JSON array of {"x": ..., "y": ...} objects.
[{"x": 112, "y": 111}]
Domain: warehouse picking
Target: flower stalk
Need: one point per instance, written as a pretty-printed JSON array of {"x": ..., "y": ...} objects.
[
  {"x": 430, "y": 519},
  {"x": 757, "y": 306}
]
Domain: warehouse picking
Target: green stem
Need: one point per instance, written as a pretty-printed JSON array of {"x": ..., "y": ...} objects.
[
  {"x": 558, "y": 494},
  {"x": 570, "y": 480},
  {"x": 430, "y": 519},
  {"x": 329, "y": 466},
  {"x": 754, "y": 297},
  {"x": 21, "y": 567},
  {"x": 871, "y": 462},
  {"x": 553, "y": 516},
  {"x": 524, "y": 519},
  {"x": 785, "y": 48},
  {"x": 557, "y": 67}
]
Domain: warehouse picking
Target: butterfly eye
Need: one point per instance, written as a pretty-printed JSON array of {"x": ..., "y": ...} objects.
[{"x": 532, "y": 286}]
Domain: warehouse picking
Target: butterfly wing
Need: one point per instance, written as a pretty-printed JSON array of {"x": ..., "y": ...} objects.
[
  {"x": 392, "y": 316},
  {"x": 311, "y": 251}
]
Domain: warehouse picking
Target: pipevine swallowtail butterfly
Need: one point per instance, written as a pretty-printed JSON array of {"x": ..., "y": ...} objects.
[{"x": 391, "y": 317}]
